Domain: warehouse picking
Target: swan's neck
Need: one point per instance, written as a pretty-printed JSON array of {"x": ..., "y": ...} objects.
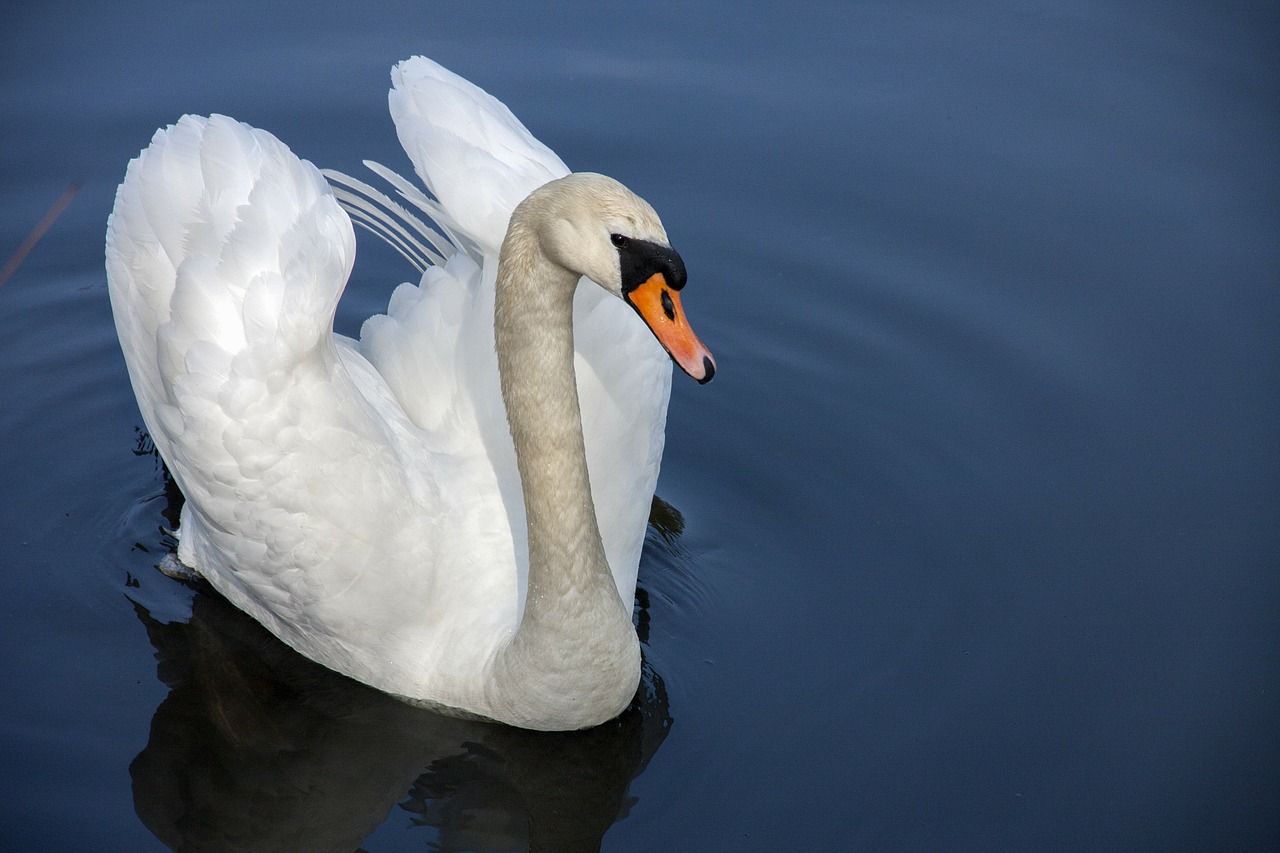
[{"x": 575, "y": 654}]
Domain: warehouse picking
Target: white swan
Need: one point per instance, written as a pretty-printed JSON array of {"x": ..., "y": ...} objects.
[{"x": 366, "y": 500}]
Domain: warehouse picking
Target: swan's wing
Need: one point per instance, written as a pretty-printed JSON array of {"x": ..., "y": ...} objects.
[
  {"x": 226, "y": 256},
  {"x": 434, "y": 348},
  {"x": 310, "y": 497},
  {"x": 468, "y": 148},
  {"x": 480, "y": 162}
]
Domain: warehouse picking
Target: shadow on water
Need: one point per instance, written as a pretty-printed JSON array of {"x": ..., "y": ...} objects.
[{"x": 256, "y": 748}]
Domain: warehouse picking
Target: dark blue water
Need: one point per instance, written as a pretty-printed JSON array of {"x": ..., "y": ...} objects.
[{"x": 980, "y": 514}]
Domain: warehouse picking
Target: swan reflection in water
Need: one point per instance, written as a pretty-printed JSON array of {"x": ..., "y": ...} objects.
[{"x": 257, "y": 748}]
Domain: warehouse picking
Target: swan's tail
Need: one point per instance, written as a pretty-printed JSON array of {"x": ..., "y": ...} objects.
[{"x": 226, "y": 255}]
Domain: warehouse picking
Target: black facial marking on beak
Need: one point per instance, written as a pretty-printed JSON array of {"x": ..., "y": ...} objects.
[{"x": 640, "y": 259}]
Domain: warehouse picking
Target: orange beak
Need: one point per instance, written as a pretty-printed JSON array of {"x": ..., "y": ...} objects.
[{"x": 659, "y": 306}]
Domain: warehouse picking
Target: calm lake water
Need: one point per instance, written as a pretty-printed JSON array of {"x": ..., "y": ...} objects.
[{"x": 980, "y": 515}]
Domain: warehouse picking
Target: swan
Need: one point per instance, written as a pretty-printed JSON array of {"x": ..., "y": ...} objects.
[{"x": 450, "y": 508}]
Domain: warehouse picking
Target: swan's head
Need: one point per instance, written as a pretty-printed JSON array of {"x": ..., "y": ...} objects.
[{"x": 598, "y": 228}]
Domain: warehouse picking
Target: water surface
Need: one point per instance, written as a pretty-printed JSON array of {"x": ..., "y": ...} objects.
[{"x": 979, "y": 541}]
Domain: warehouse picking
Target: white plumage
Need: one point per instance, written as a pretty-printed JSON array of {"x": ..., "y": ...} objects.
[{"x": 362, "y": 499}]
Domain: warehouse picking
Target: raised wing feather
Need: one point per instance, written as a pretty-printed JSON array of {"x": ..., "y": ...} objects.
[
  {"x": 221, "y": 241},
  {"x": 468, "y": 148},
  {"x": 313, "y": 501}
]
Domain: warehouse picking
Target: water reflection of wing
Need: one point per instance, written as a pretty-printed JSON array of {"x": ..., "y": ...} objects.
[{"x": 258, "y": 749}]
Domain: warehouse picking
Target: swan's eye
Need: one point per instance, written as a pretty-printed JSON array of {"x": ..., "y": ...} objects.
[{"x": 619, "y": 241}]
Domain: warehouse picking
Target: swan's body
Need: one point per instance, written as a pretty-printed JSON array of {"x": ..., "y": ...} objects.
[{"x": 366, "y": 500}]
